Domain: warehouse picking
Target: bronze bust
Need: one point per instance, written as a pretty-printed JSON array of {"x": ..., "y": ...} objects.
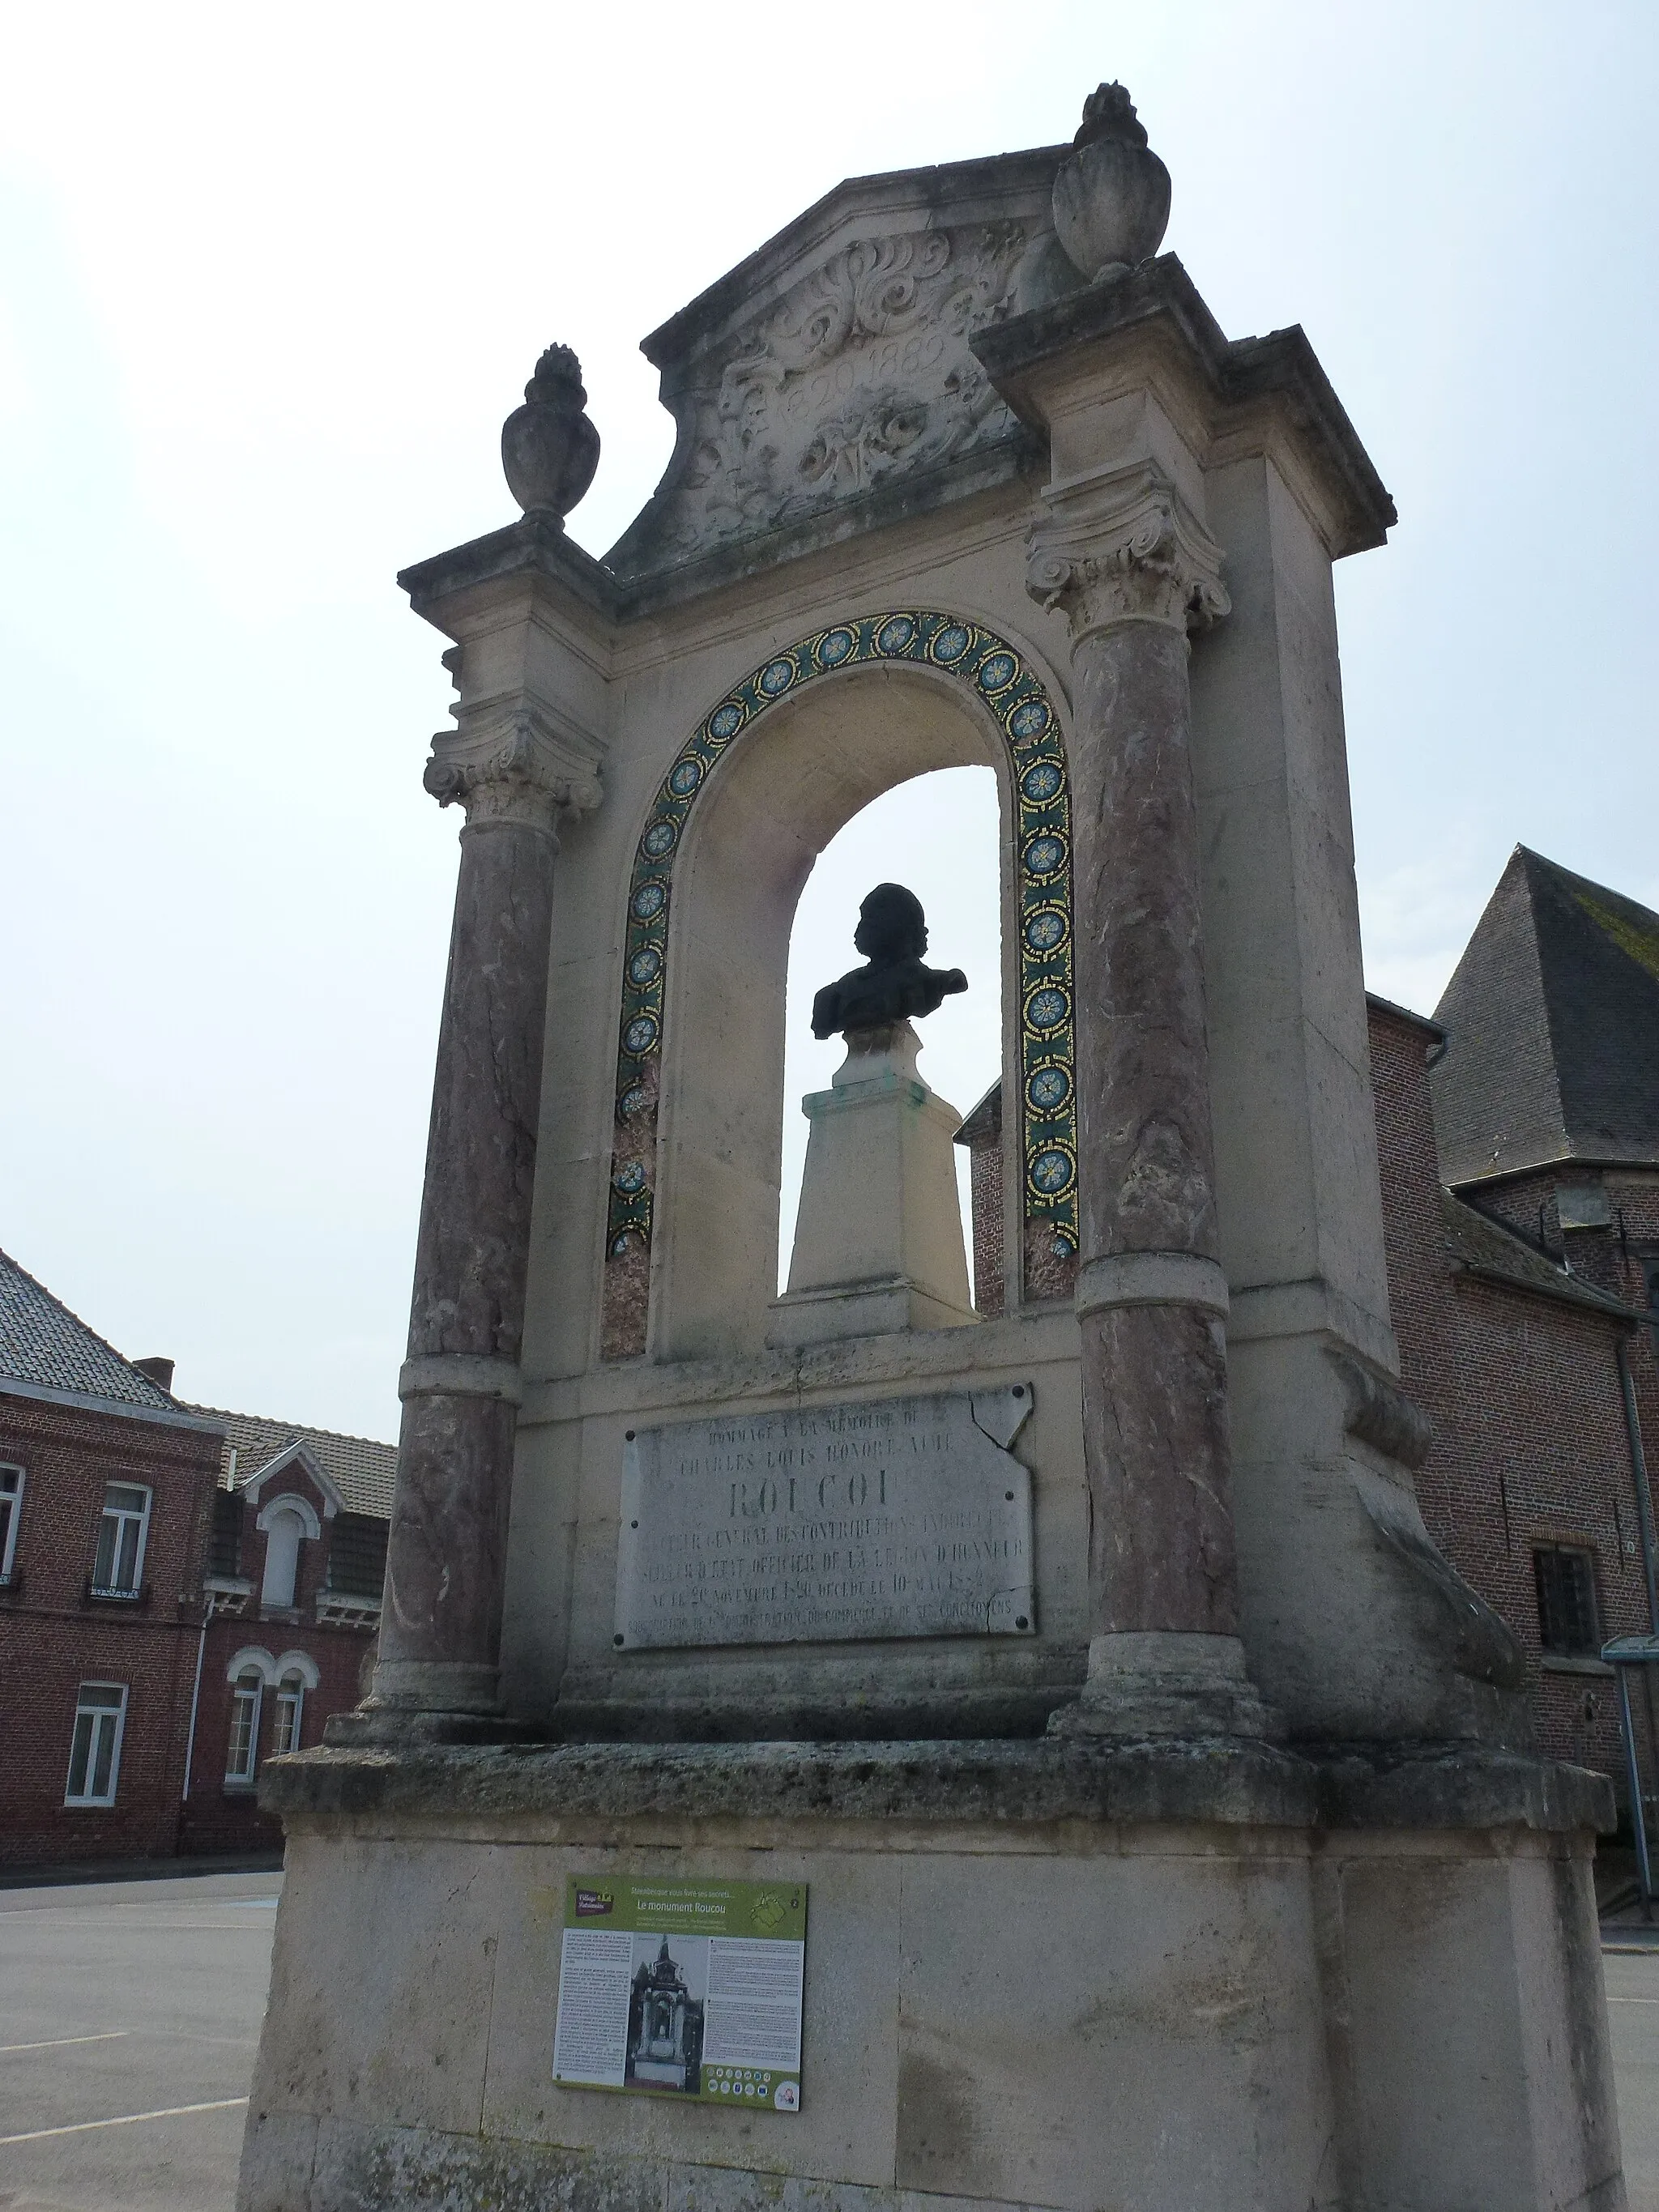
[{"x": 893, "y": 984}]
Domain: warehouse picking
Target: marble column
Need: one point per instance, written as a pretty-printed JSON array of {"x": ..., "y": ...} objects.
[
  {"x": 441, "y": 1628},
  {"x": 1134, "y": 571}
]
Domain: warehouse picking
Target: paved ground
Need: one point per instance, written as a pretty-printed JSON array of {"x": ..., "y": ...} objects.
[
  {"x": 128, "y": 1997},
  {"x": 1633, "y": 2009},
  {"x": 144, "y": 1997}
]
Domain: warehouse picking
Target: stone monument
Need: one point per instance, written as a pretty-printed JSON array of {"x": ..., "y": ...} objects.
[{"x": 1162, "y": 1797}]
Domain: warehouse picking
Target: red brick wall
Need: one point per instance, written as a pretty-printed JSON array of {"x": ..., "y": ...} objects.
[
  {"x": 52, "y": 1638},
  {"x": 1530, "y": 1441},
  {"x": 217, "y": 1817},
  {"x": 985, "y": 1194}
]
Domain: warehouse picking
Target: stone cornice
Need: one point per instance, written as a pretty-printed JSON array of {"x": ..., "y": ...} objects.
[
  {"x": 579, "y": 1791},
  {"x": 535, "y": 545},
  {"x": 970, "y": 190},
  {"x": 1233, "y": 377},
  {"x": 1124, "y": 547}
]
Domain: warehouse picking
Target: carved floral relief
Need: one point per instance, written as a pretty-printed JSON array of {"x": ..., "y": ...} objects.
[{"x": 860, "y": 371}]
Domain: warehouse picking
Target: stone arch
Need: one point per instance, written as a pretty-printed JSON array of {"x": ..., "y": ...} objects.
[{"x": 1017, "y": 730}]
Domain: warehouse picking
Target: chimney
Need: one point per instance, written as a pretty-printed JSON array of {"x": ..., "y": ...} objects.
[{"x": 159, "y": 1370}]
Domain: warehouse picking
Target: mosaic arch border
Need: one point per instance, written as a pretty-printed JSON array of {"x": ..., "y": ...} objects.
[{"x": 1004, "y": 680}]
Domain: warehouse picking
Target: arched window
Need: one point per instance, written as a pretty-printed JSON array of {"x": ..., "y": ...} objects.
[
  {"x": 290, "y": 1711},
  {"x": 284, "y": 1534},
  {"x": 243, "y": 1758}
]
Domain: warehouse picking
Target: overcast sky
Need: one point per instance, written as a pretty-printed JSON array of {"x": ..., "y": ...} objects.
[{"x": 272, "y": 280}]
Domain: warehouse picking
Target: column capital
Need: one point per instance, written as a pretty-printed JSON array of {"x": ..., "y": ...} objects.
[
  {"x": 1124, "y": 547},
  {"x": 515, "y": 767}
]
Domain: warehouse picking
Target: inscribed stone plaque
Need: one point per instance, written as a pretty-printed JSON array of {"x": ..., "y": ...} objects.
[{"x": 897, "y": 1516}]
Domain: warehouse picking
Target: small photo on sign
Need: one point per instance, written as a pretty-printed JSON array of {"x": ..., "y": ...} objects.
[
  {"x": 683, "y": 1988},
  {"x": 665, "y": 2014}
]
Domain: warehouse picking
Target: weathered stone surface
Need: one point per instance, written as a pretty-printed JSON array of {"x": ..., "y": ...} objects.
[
  {"x": 879, "y": 1231},
  {"x": 445, "y": 1556},
  {"x": 1155, "y": 1410},
  {"x": 998, "y": 2012},
  {"x": 1427, "y": 1787},
  {"x": 855, "y": 375},
  {"x": 1231, "y": 374},
  {"x": 1219, "y": 1782},
  {"x": 899, "y": 1517},
  {"x": 1148, "y": 1181},
  {"x": 1112, "y": 192},
  {"x": 1132, "y": 568},
  {"x": 549, "y": 449}
]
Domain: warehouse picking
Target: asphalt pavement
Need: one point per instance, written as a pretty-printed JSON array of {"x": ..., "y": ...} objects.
[
  {"x": 129, "y": 2015},
  {"x": 1632, "y": 1980},
  {"x": 129, "y": 2011}
]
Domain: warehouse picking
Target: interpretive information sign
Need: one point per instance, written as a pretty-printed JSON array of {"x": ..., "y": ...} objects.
[
  {"x": 897, "y": 1516},
  {"x": 683, "y": 1988}
]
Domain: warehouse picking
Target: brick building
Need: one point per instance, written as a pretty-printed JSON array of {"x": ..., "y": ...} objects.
[
  {"x": 1518, "y": 1145},
  {"x": 1530, "y": 1485},
  {"x": 1546, "y": 1103},
  {"x": 182, "y": 1591}
]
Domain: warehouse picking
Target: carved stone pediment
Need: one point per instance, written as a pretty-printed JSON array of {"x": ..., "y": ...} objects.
[{"x": 844, "y": 364}]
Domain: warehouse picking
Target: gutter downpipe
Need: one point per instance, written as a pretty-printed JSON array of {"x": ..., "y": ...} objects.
[
  {"x": 195, "y": 1699},
  {"x": 201, "y": 1647},
  {"x": 1639, "y": 1470},
  {"x": 1626, "y": 1718}
]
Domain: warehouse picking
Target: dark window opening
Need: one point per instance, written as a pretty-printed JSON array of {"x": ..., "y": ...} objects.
[
  {"x": 225, "y": 1545},
  {"x": 356, "y": 1554},
  {"x": 1567, "y": 1621}
]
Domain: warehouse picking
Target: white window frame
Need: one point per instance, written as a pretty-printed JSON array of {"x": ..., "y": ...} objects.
[
  {"x": 11, "y": 1497},
  {"x": 290, "y": 1713},
  {"x": 270, "y": 1520},
  {"x": 243, "y": 1776},
  {"x": 122, "y": 1516},
  {"x": 108, "y": 1703}
]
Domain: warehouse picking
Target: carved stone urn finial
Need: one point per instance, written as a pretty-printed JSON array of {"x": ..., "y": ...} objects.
[
  {"x": 549, "y": 449},
  {"x": 1112, "y": 193}
]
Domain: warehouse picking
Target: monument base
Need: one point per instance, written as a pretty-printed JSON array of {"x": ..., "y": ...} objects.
[{"x": 1168, "y": 1977}]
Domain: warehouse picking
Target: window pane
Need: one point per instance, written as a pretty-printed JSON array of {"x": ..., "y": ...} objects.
[
  {"x": 124, "y": 1497},
  {"x": 290, "y": 1702},
  {"x": 127, "y": 1573},
  {"x": 103, "y": 1757},
  {"x": 1567, "y": 1602},
  {"x": 224, "y": 1557},
  {"x": 356, "y": 1555},
  {"x": 11, "y": 1482},
  {"x": 103, "y": 1572},
  {"x": 101, "y": 1693},
  {"x": 80, "y": 1753},
  {"x": 244, "y": 1730}
]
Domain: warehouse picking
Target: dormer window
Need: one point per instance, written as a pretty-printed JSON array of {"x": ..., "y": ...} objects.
[{"x": 285, "y": 1532}]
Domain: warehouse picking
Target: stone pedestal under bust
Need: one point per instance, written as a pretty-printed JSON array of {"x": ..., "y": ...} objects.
[{"x": 878, "y": 1239}]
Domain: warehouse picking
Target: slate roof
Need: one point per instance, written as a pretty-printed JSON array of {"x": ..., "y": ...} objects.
[
  {"x": 1487, "y": 1247},
  {"x": 1553, "y": 1020},
  {"x": 363, "y": 1471},
  {"x": 42, "y": 1342}
]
